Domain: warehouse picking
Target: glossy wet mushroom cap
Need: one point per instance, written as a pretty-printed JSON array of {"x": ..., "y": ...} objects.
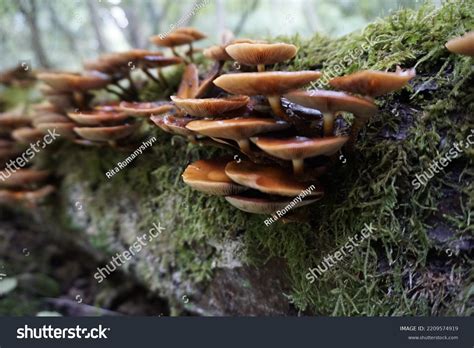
[
  {"x": 172, "y": 124},
  {"x": 296, "y": 149},
  {"x": 265, "y": 83},
  {"x": 373, "y": 83},
  {"x": 264, "y": 205},
  {"x": 261, "y": 53},
  {"x": 193, "y": 32},
  {"x": 28, "y": 197},
  {"x": 209, "y": 176},
  {"x": 462, "y": 44},
  {"x": 270, "y": 179},
  {"x": 209, "y": 107},
  {"x": 105, "y": 133},
  {"x": 64, "y": 129},
  {"x": 152, "y": 62}
]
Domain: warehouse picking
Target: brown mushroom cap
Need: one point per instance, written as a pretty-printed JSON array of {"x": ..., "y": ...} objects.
[
  {"x": 73, "y": 82},
  {"x": 9, "y": 120},
  {"x": 373, "y": 83},
  {"x": 332, "y": 101},
  {"x": 49, "y": 117},
  {"x": 145, "y": 109},
  {"x": 265, "y": 83},
  {"x": 27, "y": 135},
  {"x": 269, "y": 179},
  {"x": 105, "y": 133},
  {"x": 216, "y": 52},
  {"x": 24, "y": 177},
  {"x": 261, "y": 53},
  {"x": 174, "y": 125},
  {"x": 63, "y": 129},
  {"x": 31, "y": 197},
  {"x": 209, "y": 176},
  {"x": 196, "y": 34},
  {"x": 236, "y": 128},
  {"x": 189, "y": 85},
  {"x": 172, "y": 39},
  {"x": 462, "y": 44},
  {"x": 159, "y": 61},
  {"x": 300, "y": 147},
  {"x": 210, "y": 106},
  {"x": 264, "y": 205},
  {"x": 94, "y": 118}
]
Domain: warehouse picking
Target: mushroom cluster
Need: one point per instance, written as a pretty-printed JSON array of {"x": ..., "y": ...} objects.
[
  {"x": 287, "y": 135},
  {"x": 252, "y": 119},
  {"x": 20, "y": 182}
]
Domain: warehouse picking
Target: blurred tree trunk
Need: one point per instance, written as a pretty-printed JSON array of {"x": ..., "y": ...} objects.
[
  {"x": 157, "y": 17},
  {"x": 29, "y": 11},
  {"x": 185, "y": 14},
  {"x": 220, "y": 14},
  {"x": 95, "y": 21},
  {"x": 68, "y": 34},
  {"x": 245, "y": 15},
  {"x": 134, "y": 30}
]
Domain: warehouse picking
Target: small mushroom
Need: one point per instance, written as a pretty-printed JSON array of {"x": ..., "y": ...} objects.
[
  {"x": 27, "y": 135},
  {"x": 30, "y": 198},
  {"x": 237, "y": 129},
  {"x": 373, "y": 83},
  {"x": 331, "y": 102},
  {"x": 270, "y": 179},
  {"x": 189, "y": 85},
  {"x": 24, "y": 178},
  {"x": 106, "y": 134},
  {"x": 264, "y": 205},
  {"x": 209, "y": 176},
  {"x": 158, "y": 62},
  {"x": 65, "y": 82},
  {"x": 261, "y": 54},
  {"x": 209, "y": 107},
  {"x": 270, "y": 84},
  {"x": 296, "y": 149},
  {"x": 49, "y": 117},
  {"x": 462, "y": 44},
  {"x": 95, "y": 118},
  {"x": 145, "y": 109},
  {"x": 174, "y": 125}
]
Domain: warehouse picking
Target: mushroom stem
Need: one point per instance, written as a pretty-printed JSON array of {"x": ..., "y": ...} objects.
[
  {"x": 356, "y": 127},
  {"x": 186, "y": 61},
  {"x": 275, "y": 103},
  {"x": 244, "y": 145},
  {"x": 328, "y": 123},
  {"x": 132, "y": 85},
  {"x": 298, "y": 166},
  {"x": 118, "y": 94},
  {"x": 261, "y": 67}
]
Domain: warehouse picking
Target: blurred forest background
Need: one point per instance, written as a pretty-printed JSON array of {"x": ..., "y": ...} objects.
[{"x": 61, "y": 33}]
